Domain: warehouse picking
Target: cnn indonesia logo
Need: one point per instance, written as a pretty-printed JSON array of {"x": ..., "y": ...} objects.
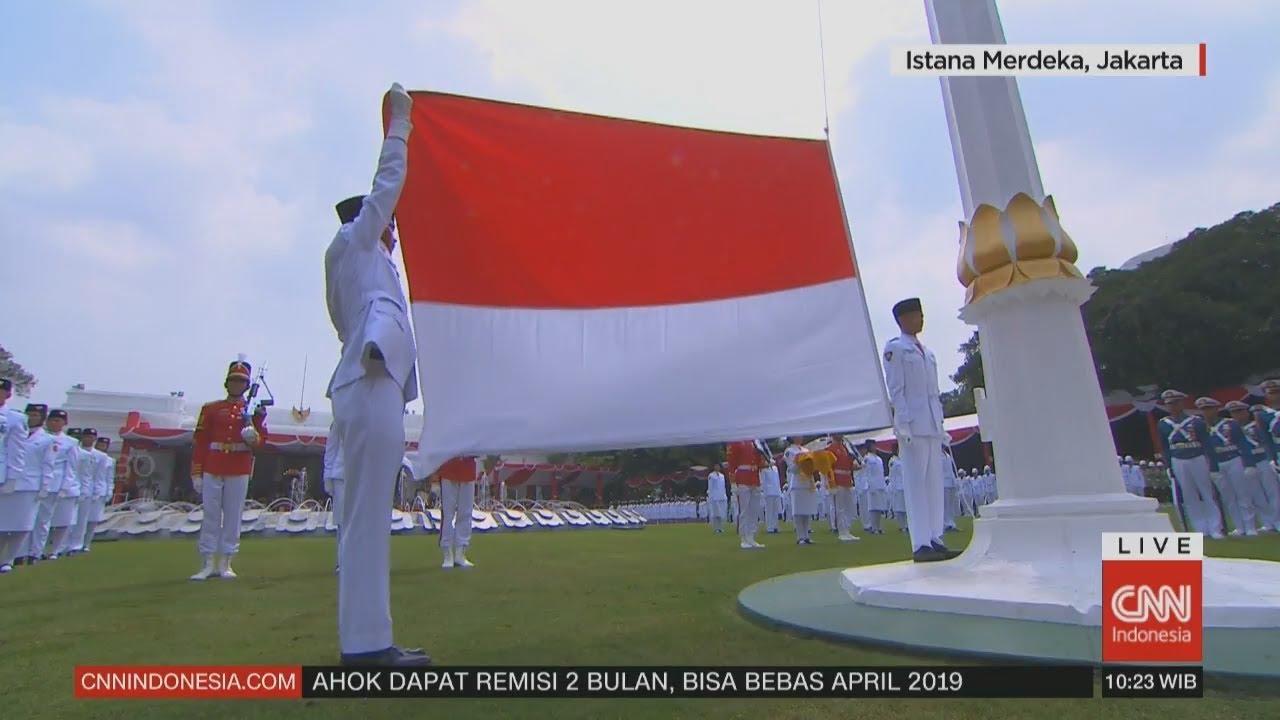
[{"x": 1152, "y": 585}]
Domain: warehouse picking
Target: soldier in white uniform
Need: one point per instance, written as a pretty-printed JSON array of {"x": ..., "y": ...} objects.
[
  {"x": 334, "y": 485},
  {"x": 375, "y": 377},
  {"x": 63, "y": 517},
  {"x": 38, "y": 471},
  {"x": 86, "y": 474},
  {"x": 104, "y": 485},
  {"x": 17, "y": 498},
  {"x": 717, "y": 499},
  {"x": 950, "y": 497},
  {"x": 897, "y": 498},
  {"x": 771, "y": 487},
  {"x": 42, "y": 450},
  {"x": 911, "y": 371},
  {"x": 804, "y": 500}
]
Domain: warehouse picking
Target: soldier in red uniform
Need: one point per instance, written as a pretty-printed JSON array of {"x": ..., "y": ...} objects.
[
  {"x": 744, "y": 468},
  {"x": 842, "y": 495},
  {"x": 221, "y": 463},
  {"x": 457, "y": 498}
]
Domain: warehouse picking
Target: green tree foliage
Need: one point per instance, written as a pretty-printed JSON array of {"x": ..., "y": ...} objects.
[
  {"x": 1204, "y": 316},
  {"x": 23, "y": 382},
  {"x": 967, "y": 377}
]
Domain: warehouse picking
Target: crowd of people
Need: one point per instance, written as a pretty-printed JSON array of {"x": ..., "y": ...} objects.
[{"x": 55, "y": 483}]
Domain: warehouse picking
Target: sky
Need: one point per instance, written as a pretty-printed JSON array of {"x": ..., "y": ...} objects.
[{"x": 168, "y": 169}]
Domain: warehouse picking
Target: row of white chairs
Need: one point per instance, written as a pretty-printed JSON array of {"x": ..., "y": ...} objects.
[{"x": 139, "y": 519}]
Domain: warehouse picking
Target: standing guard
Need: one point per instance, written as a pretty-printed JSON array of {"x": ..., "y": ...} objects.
[{"x": 221, "y": 463}]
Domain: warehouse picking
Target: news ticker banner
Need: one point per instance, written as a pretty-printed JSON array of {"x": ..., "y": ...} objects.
[
  {"x": 523, "y": 682},
  {"x": 1051, "y": 60}
]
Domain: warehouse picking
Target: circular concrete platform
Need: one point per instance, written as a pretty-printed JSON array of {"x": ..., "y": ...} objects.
[{"x": 815, "y": 604}]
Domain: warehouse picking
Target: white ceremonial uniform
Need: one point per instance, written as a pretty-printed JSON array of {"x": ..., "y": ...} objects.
[
  {"x": 369, "y": 311},
  {"x": 911, "y": 372},
  {"x": 58, "y": 510},
  {"x": 877, "y": 491},
  {"x": 897, "y": 495},
  {"x": 457, "y": 500},
  {"x": 717, "y": 499},
  {"x": 19, "y": 507},
  {"x": 333, "y": 482},
  {"x": 15, "y": 494},
  {"x": 104, "y": 484},
  {"x": 86, "y": 469},
  {"x": 804, "y": 497},
  {"x": 42, "y": 453},
  {"x": 771, "y": 486},
  {"x": 950, "y": 498}
]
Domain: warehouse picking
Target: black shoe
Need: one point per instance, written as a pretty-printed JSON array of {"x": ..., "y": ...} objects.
[
  {"x": 927, "y": 554},
  {"x": 19, "y": 561},
  {"x": 391, "y": 657},
  {"x": 945, "y": 551}
]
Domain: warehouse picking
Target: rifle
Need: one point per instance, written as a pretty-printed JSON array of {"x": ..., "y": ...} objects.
[{"x": 259, "y": 380}]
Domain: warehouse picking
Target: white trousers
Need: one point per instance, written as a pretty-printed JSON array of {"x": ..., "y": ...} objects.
[
  {"x": 772, "y": 511},
  {"x": 223, "y": 504},
  {"x": 864, "y": 508},
  {"x": 337, "y": 489},
  {"x": 1270, "y": 484},
  {"x": 39, "y": 535},
  {"x": 748, "y": 500},
  {"x": 369, "y": 419},
  {"x": 1195, "y": 490},
  {"x": 1253, "y": 500},
  {"x": 717, "y": 509},
  {"x": 845, "y": 508},
  {"x": 456, "y": 502},
  {"x": 950, "y": 507},
  {"x": 91, "y": 529},
  {"x": 922, "y": 489},
  {"x": 84, "y": 512},
  {"x": 1231, "y": 488}
]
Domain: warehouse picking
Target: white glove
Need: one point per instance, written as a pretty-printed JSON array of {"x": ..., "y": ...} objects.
[
  {"x": 197, "y": 481},
  {"x": 399, "y": 106},
  {"x": 8, "y": 487},
  {"x": 249, "y": 435},
  {"x": 903, "y": 434},
  {"x": 42, "y": 494},
  {"x": 1214, "y": 475}
]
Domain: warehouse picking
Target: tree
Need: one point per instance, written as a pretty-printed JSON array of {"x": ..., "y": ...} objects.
[
  {"x": 967, "y": 377},
  {"x": 1205, "y": 315},
  {"x": 23, "y": 381}
]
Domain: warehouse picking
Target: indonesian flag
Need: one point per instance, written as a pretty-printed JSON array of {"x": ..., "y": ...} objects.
[{"x": 586, "y": 283}]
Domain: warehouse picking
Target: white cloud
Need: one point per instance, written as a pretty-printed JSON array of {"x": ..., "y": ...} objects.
[
  {"x": 1116, "y": 209},
  {"x": 38, "y": 157},
  {"x": 718, "y": 63}
]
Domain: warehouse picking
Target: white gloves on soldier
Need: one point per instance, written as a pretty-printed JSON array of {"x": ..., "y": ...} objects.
[
  {"x": 903, "y": 434},
  {"x": 249, "y": 435},
  {"x": 399, "y": 106},
  {"x": 196, "y": 482}
]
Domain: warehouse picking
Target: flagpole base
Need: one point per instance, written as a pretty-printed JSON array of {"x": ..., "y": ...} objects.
[{"x": 1041, "y": 561}]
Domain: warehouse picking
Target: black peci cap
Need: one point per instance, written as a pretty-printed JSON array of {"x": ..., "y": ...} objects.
[
  {"x": 909, "y": 305},
  {"x": 349, "y": 209}
]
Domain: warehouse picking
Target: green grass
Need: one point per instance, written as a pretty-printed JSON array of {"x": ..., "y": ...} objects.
[{"x": 662, "y": 596}]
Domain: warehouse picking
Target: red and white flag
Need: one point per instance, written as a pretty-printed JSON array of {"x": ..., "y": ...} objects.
[{"x": 588, "y": 283}]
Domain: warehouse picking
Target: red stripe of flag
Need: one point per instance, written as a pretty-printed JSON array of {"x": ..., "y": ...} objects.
[
  {"x": 1204, "y": 53},
  {"x": 515, "y": 206}
]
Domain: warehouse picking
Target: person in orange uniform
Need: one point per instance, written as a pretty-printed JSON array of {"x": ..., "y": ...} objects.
[
  {"x": 221, "y": 462},
  {"x": 457, "y": 498},
  {"x": 744, "y": 468},
  {"x": 843, "y": 505}
]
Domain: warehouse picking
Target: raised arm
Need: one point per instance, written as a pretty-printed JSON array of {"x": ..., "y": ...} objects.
[{"x": 380, "y": 204}]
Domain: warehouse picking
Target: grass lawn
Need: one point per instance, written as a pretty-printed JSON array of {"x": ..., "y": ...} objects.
[{"x": 665, "y": 595}]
